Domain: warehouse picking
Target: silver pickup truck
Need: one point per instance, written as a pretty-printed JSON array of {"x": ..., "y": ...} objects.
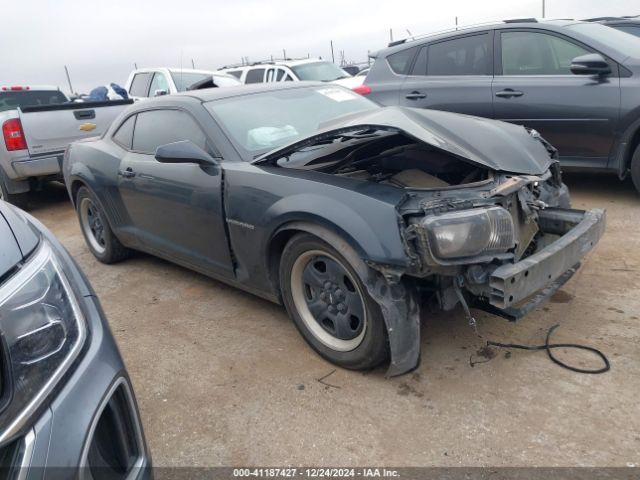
[{"x": 37, "y": 125}]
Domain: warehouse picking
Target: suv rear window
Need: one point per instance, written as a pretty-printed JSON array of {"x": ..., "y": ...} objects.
[
  {"x": 400, "y": 62},
  {"x": 30, "y": 98}
]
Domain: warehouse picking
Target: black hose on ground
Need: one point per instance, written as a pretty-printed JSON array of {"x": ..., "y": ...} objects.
[{"x": 550, "y": 346}]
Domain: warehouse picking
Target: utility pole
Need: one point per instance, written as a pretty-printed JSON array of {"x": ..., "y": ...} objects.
[
  {"x": 543, "y": 12},
  {"x": 193, "y": 65},
  {"x": 68, "y": 79},
  {"x": 284, "y": 54},
  {"x": 457, "y": 21},
  {"x": 390, "y": 35},
  {"x": 333, "y": 58},
  {"x": 135, "y": 65}
]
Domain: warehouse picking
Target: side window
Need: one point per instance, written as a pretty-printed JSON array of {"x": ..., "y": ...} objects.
[
  {"x": 124, "y": 134},
  {"x": 288, "y": 78},
  {"x": 159, "y": 127},
  {"x": 159, "y": 82},
  {"x": 235, "y": 73},
  {"x": 400, "y": 62},
  {"x": 280, "y": 74},
  {"x": 534, "y": 53},
  {"x": 460, "y": 56},
  {"x": 139, "y": 85},
  {"x": 255, "y": 75}
]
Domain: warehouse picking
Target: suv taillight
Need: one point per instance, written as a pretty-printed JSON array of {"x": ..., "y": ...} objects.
[
  {"x": 13, "y": 135},
  {"x": 362, "y": 89}
]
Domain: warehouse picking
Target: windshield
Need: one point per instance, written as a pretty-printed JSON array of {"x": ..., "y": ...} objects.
[
  {"x": 624, "y": 43},
  {"x": 184, "y": 80},
  {"x": 263, "y": 121},
  {"x": 319, "y": 72},
  {"x": 30, "y": 98}
]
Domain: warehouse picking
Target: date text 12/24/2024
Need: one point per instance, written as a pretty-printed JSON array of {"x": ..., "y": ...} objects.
[{"x": 318, "y": 472}]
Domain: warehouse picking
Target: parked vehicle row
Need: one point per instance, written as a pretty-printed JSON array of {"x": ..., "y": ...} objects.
[
  {"x": 574, "y": 82},
  {"x": 287, "y": 70},
  {"x": 350, "y": 214}
]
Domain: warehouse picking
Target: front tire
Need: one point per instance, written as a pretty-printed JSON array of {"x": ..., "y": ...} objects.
[
  {"x": 635, "y": 168},
  {"x": 329, "y": 304},
  {"x": 96, "y": 230}
]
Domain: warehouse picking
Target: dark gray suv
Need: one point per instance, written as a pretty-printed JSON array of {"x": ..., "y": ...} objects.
[{"x": 576, "y": 83}]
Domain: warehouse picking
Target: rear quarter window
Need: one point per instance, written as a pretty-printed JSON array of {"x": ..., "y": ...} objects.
[
  {"x": 400, "y": 62},
  {"x": 124, "y": 134}
]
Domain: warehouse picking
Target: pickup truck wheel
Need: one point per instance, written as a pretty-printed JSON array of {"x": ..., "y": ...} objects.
[
  {"x": 635, "y": 168},
  {"x": 20, "y": 200},
  {"x": 96, "y": 230},
  {"x": 330, "y": 305}
]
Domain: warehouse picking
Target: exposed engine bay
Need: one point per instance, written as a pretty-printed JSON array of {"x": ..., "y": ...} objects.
[{"x": 388, "y": 158}]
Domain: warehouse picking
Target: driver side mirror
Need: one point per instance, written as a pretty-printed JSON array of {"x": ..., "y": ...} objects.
[
  {"x": 160, "y": 93},
  {"x": 590, "y": 64},
  {"x": 184, "y": 151}
]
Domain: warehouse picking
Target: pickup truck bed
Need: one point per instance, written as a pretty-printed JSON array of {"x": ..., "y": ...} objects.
[{"x": 44, "y": 132}]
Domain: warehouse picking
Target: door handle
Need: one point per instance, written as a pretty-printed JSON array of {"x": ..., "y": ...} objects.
[
  {"x": 128, "y": 173},
  {"x": 508, "y": 93},
  {"x": 415, "y": 96}
]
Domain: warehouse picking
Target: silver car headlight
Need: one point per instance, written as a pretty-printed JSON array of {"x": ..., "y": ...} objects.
[
  {"x": 470, "y": 233},
  {"x": 43, "y": 331}
]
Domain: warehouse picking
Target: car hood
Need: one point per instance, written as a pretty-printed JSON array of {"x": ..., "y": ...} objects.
[{"x": 488, "y": 143}]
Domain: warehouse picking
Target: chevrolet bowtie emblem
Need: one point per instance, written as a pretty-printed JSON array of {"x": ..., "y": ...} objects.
[{"x": 87, "y": 127}]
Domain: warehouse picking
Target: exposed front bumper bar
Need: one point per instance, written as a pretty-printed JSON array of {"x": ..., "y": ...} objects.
[{"x": 515, "y": 287}]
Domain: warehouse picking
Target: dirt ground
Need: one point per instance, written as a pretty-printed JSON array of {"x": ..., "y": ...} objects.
[{"x": 223, "y": 377}]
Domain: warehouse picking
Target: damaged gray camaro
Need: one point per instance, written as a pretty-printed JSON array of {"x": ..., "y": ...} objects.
[{"x": 355, "y": 217}]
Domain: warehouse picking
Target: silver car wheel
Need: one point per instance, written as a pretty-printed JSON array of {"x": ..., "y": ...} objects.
[
  {"x": 328, "y": 300},
  {"x": 92, "y": 225}
]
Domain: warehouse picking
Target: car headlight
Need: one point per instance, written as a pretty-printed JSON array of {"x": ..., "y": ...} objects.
[
  {"x": 470, "y": 233},
  {"x": 43, "y": 331}
]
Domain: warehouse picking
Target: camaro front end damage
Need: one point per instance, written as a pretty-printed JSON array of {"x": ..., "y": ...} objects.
[{"x": 503, "y": 250}]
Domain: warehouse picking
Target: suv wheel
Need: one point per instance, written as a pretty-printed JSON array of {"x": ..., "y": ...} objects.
[
  {"x": 329, "y": 304},
  {"x": 96, "y": 230}
]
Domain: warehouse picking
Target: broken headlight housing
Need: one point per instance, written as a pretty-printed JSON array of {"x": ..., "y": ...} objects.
[
  {"x": 472, "y": 233},
  {"x": 42, "y": 330}
]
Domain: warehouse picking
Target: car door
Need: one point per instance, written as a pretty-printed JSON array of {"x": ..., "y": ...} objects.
[
  {"x": 175, "y": 208},
  {"x": 534, "y": 86},
  {"x": 453, "y": 75}
]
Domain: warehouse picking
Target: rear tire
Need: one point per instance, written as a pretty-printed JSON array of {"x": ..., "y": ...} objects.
[
  {"x": 96, "y": 230},
  {"x": 20, "y": 200},
  {"x": 635, "y": 168},
  {"x": 329, "y": 304}
]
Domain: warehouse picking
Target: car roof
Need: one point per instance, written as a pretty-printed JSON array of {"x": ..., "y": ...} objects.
[
  {"x": 555, "y": 25},
  {"x": 177, "y": 70},
  {"x": 273, "y": 63}
]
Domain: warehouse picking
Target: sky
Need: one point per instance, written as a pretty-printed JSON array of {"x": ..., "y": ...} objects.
[{"x": 101, "y": 41}]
